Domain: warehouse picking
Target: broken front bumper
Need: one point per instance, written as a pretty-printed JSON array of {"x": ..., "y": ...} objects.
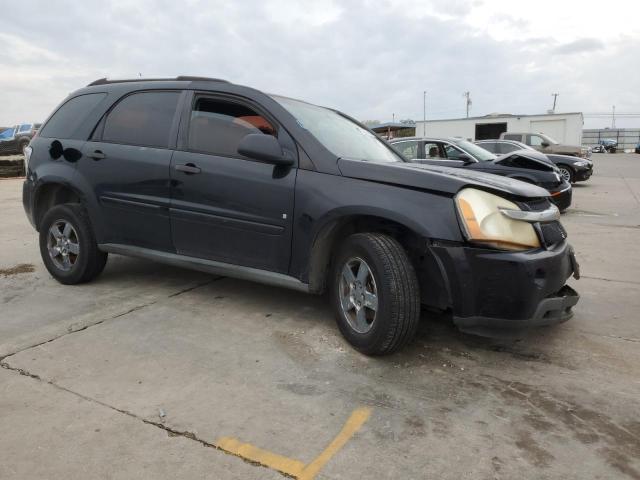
[{"x": 497, "y": 293}]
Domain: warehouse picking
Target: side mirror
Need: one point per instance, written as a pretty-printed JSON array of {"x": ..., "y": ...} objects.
[
  {"x": 544, "y": 144},
  {"x": 466, "y": 159},
  {"x": 265, "y": 148}
]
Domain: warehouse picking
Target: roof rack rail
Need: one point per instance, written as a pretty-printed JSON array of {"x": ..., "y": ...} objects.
[{"x": 181, "y": 78}]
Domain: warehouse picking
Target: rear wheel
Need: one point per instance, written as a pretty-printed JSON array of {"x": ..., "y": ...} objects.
[
  {"x": 68, "y": 246},
  {"x": 375, "y": 293},
  {"x": 566, "y": 173}
]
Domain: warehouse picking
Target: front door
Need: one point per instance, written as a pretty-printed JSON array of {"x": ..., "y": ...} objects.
[
  {"x": 226, "y": 207},
  {"x": 126, "y": 164}
]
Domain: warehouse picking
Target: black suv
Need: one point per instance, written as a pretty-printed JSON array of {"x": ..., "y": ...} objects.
[{"x": 205, "y": 174}]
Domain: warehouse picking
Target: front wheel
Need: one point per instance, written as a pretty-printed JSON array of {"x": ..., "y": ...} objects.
[
  {"x": 566, "y": 173},
  {"x": 68, "y": 245},
  {"x": 375, "y": 293}
]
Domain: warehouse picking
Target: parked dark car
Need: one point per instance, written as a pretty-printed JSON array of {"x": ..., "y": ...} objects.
[
  {"x": 14, "y": 140},
  {"x": 525, "y": 165},
  {"x": 609, "y": 144},
  {"x": 572, "y": 169},
  {"x": 638, "y": 148},
  {"x": 209, "y": 175}
]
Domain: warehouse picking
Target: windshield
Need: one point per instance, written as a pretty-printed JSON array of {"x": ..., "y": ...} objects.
[
  {"x": 8, "y": 133},
  {"x": 338, "y": 134},
  {"x": 550, "y": 140},
  {"x": 476, "y": 151}
]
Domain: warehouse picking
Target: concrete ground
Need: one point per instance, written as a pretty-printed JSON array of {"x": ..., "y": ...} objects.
[{"x": 156, "y": 372}]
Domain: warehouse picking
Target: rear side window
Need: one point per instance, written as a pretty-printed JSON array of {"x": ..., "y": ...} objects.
[
  {"x": 489, "y": 146},
  {"x": 515, "y": 137},
  {"x": 25, "y": 128},
  {"x": 217, "y": 126},
  {"x": 509, "y": 147},
  {"x": 143, "y": 118},
  {"x": 408, "y": 150},
  {"x": 70, "y": 115}
]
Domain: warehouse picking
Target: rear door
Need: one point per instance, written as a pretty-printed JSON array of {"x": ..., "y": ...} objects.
[
  {"x": 126, "y": 163},
  {"x": 227, "y": 207}
]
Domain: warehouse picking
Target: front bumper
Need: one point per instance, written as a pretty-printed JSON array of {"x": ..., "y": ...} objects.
[
  {"x": 496, "y": 293},
  {"x": 583, "y": 173},
  {"x": 562, "y": 197}
]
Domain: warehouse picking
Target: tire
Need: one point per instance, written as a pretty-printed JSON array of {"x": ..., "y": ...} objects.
[
  {"x": 566, "y": 173},
  {"x": 394, "y": 322},
  {"x": 66, "y": 232}
]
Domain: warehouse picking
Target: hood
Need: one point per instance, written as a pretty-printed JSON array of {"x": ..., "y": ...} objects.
[
  {"x": 435, "y": 178},
  {"x": 570, "y": 159},
  {"x": 531, "y": 157}
]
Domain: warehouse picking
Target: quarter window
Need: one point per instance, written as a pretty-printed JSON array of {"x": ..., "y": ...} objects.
[
  {"x": 142, "y": 118},
  {"x": 70, "y": 116},
  {"x": 24, "y": 128},
  {"x": 217, "y": 126}
]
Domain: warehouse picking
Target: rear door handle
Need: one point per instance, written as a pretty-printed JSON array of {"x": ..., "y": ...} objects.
[
  {"x": 189, "y": 169},
  {"x": 97, "y": 155}
]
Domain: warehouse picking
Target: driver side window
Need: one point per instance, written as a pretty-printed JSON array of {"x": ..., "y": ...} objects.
[
  {"x": 452, "y": 152},
  {"x": 432, "y": 150},
  {"x": 535, "y": 140},
  {"x": 217, "y": 126}
]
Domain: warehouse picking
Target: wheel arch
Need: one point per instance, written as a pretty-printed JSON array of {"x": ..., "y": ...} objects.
[
  {"x": 413, "y": 238},
  {"x": 51, "y": 193}
]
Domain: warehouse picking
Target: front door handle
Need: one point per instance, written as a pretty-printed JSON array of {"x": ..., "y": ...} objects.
[
  {"x": 97, "y": 155},
  {"x": 189, "y": 169}
]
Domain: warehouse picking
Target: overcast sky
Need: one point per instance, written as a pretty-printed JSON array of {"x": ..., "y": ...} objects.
[{"x": 371, "y": 59}]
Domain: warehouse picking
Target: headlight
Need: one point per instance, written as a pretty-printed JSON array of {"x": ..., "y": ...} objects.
[
  {"x": 484, "y": 223},
  {"x": 27, "y": 156},
  {"x": 581, "y": 164}
]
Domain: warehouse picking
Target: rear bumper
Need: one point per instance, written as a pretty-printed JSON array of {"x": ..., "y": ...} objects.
[
  {"x": 27, "y": 200},
  {"x": 496, "y": 293}
]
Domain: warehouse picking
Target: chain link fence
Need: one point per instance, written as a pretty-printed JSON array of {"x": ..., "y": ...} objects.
[{"x": 627, "y": 138}]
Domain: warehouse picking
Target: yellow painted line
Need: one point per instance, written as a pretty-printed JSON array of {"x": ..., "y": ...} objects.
[
  {"x": 356, "y": 420},
  {"x": 289, "y": 466},
  {"x": 263, "y": 457}
]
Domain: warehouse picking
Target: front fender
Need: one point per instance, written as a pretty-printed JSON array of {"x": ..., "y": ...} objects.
[{"x": 323, "y": 201}]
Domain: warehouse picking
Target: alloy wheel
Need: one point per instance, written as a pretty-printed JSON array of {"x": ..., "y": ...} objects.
[
  {"x": 63, "y": 245},
  {"x": 566, "y": 174},
  {"x": 358, "y": 295}
]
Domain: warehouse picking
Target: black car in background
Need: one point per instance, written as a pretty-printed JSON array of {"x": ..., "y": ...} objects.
[
  {"x": 13, "y": 140},
  {"x": 526, "y": 165},
  {"x": 572, "y": 169},
  {"x": 208, "y": 175}
]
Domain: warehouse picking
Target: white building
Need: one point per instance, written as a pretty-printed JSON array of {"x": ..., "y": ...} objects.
[{"x": 564, "y": 127}]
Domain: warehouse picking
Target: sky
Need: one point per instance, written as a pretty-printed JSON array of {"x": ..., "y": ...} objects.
[{"x": 370, "y": 59}]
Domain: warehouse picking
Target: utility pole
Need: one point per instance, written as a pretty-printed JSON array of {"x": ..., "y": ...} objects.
[
  {"x": 555, "y": 97},
  {"x": 613, "y": 117},
  {"x": 468, "y": 101},
  {"x": 424, "y": 113}
]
